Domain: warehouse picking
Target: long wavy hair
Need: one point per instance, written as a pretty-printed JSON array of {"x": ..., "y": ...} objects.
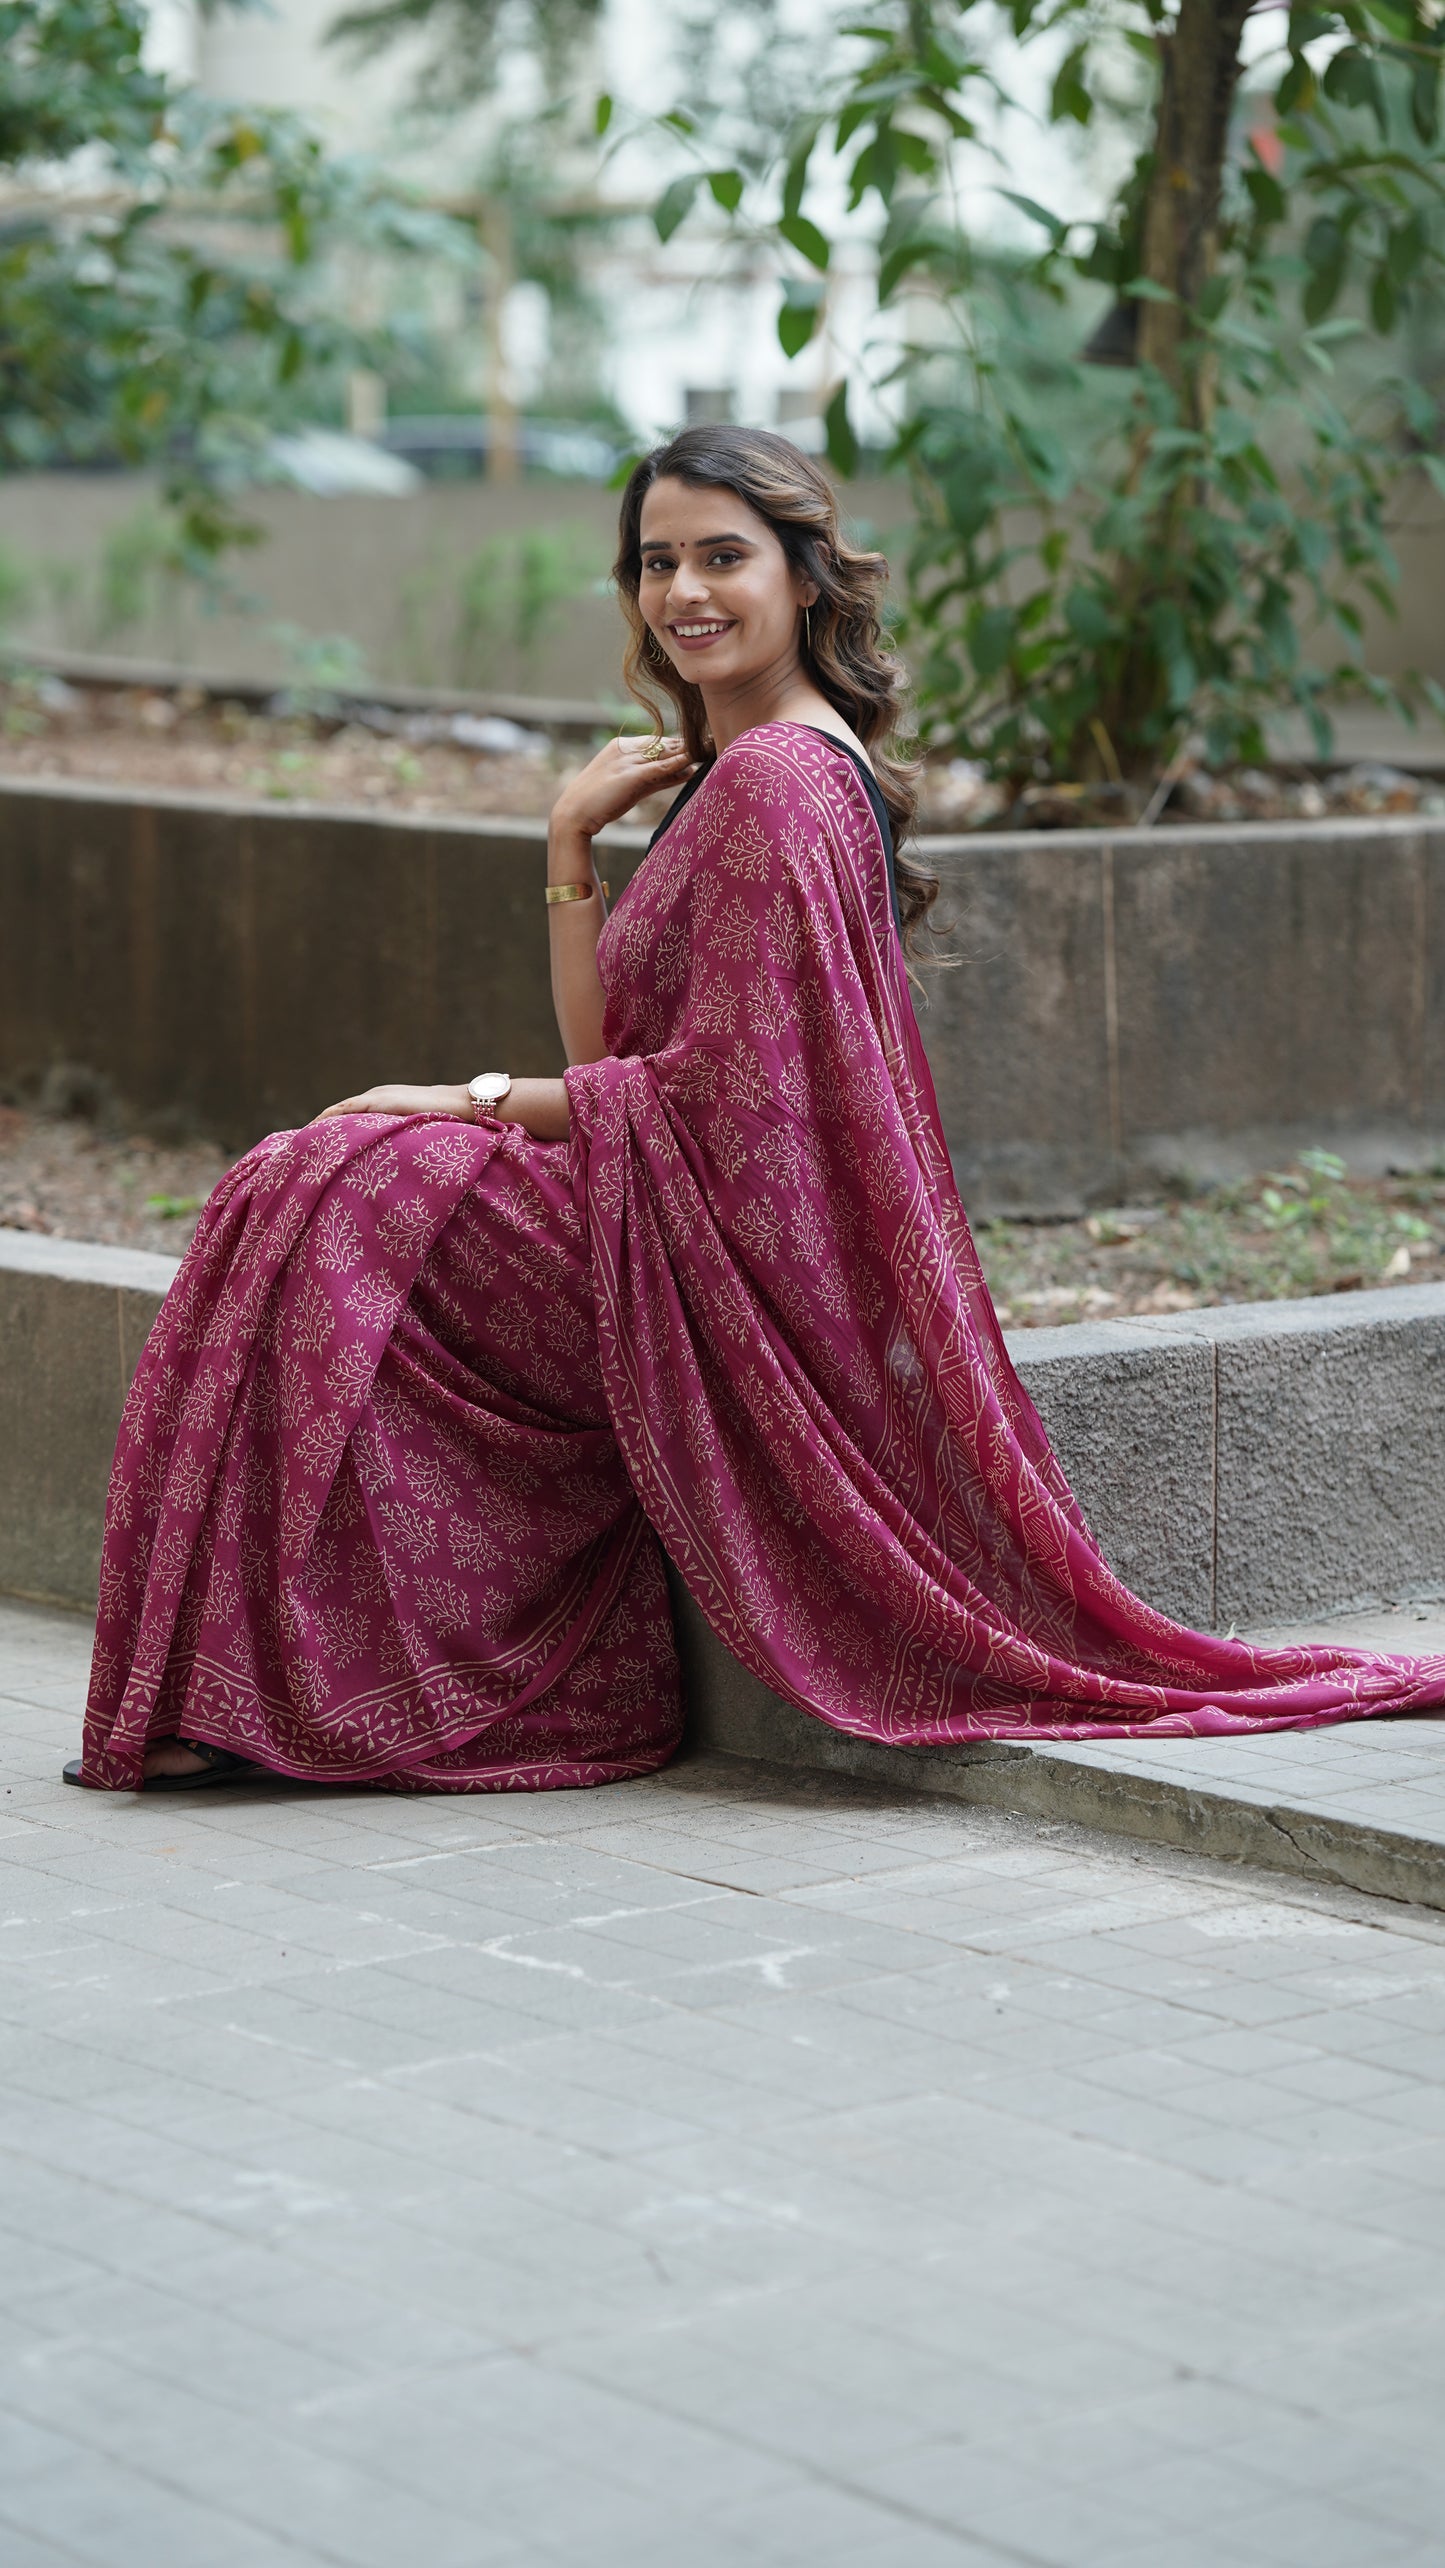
[{"x": 842, "y": 646}]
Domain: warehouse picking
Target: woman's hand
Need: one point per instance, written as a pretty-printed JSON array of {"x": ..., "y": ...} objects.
[
  {"x": 538, "y": 1105},
  {"x": 397, "y": 1100},
  {"x": 622, "y": 774}
]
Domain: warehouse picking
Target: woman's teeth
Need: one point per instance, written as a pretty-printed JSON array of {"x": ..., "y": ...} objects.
[{"x": 697, "y": 632}]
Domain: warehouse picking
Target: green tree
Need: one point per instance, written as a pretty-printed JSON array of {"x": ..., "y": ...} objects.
[
  {"x": 163, "y": 265},
  {"x": 1088, "y": 616}
]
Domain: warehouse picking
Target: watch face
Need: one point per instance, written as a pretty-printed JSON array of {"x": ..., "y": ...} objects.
[{"x": 490, "y": 1086}]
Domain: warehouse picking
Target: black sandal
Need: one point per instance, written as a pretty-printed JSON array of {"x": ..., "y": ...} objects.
[{"x": 219, "y": 1766}]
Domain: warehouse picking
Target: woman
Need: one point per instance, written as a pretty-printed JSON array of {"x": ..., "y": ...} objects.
[{"x": 443, "y": 1374}]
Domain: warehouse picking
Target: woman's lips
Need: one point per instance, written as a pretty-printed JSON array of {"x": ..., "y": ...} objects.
[{"x": 699, "y": 635}]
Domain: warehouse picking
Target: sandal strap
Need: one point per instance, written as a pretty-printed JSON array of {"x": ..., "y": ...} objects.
[{"x": 209, "y": 1753}]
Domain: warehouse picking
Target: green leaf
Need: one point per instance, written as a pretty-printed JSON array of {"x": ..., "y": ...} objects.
[
  {"x": 1425, "y": 99},
  {"x": 1326, "y": 251},
  {"x": 842, "y": 444},
  {"x": 1384, "y": 301},
  {"x": 795, "y": 177},
  {"x": 1046, "y": 456},
  {"x": 1087, "y": 616},
  {"x": 913, "y": 251},
  {"x": 1434, "y": 467},
  {"x": 799, "y": 316},
  {"x": 1421, "y": 415},
  {"x": 727, "y": 188},
  {"x": 1232, "y": 432},
  {"x": 602, "y": 115},
  {"x": 1353, "y": 78},
  {"x": 990, "y": 638},
  {"x": 806, "y": 238},
  {"x": 1056, "y": 230},
  {"x": 1167, "y": 629},
  {"x": 1277, "y": 626},
  {"x": 1266, "y": 195},
  {"x": 1298, "y": 89},
  {"x": 675, "y": 204},
  {"x": 1069, "y": 97},
  {"x": 968, "y": 497},
  {"x": 1405, "y": 249}
]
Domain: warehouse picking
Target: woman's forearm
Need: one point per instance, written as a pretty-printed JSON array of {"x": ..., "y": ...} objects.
[
  {"x": 539, "y": 1106},
  {"x": 573, "y": 928}
]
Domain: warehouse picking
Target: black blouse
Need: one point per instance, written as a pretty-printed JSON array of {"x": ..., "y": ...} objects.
[{"x": 870, "y": 787}]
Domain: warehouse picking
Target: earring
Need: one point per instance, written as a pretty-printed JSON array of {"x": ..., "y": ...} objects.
[
  {"x": 653, "y": 645},
  {"x": 808, "y": 630}
]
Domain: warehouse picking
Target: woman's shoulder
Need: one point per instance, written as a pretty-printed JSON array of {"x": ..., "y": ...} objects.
[
  {"x": 782, "y": 761},
  {"x": 788, "y": 742}
]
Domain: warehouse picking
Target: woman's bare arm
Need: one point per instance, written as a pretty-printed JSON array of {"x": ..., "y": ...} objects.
[
  {"x": 620, "y": 775},
  {"x": 573, "y": 928},
  {"x": 539, "y": 1105}
]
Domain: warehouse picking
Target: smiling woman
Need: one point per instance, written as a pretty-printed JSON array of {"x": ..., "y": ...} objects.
[
  {"x": 748, "y": 604},
  {"x": 443, "y": 1373}
]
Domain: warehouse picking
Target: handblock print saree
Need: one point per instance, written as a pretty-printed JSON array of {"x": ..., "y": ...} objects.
[{"x": 390, "y": 1487}]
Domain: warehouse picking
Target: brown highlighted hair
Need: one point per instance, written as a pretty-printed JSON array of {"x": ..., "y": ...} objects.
[{"x": 847, "y": 657}]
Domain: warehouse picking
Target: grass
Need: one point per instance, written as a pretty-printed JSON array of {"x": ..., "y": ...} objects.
[
  {"x": 174, "y": 1208},
  {"x": 1311, "y": 1228}
]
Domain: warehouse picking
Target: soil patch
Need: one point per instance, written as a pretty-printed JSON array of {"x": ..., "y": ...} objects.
[
  {"x": 1308, "y": 1229},
  {"x": 182, "y": 740}
]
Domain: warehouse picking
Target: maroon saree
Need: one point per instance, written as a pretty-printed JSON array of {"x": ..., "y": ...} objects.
[{"x": 426, "y": 1397}]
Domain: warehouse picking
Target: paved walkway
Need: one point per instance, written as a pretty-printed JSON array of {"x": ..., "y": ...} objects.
[{"x": 719, "y": 2169}]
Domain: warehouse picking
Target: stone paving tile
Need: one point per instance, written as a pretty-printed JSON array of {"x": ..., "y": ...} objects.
[{"x": 729, "y": 2168}]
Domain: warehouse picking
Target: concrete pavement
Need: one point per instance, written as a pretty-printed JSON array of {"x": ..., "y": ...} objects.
[{"x": 731, "y": 2167}]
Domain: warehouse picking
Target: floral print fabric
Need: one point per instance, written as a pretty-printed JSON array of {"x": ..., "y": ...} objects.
[
  {"x": 802, "y": 1363},
  {"x": 368, "y": 1521}
]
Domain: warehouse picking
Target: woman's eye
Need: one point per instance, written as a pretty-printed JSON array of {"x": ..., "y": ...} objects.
[
  {"x": 656, "y": 566},
  {"x": 724, "y": 560}
]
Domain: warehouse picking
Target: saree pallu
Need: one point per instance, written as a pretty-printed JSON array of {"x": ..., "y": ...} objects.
[{"x": 427, "y": 1398}]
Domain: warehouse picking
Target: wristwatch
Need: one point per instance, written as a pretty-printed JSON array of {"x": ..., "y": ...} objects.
[{"x": 487, "y": 1091}]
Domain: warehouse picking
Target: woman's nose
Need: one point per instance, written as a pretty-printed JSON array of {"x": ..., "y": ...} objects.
[{"x": 688, "y": 589}]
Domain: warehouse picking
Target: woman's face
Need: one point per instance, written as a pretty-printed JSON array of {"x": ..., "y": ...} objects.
[{"x": 717, "y": 590}]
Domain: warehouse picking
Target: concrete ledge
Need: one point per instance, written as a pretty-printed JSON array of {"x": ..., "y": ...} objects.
[
  {"x": 1193, "y": 1000},
  {"x": 1261, "y": 1460},
  {"x": 1237, "y": 1465},
  {"x": 73, "y": 1320}
]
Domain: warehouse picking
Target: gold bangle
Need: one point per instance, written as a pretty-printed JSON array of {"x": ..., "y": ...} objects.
[{"x": 573, "y": 892}]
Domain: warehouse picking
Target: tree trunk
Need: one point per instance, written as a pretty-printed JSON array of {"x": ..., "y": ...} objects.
[
  {"x": 1181, "y": 216},
  {"x": 503, "y": 443}
]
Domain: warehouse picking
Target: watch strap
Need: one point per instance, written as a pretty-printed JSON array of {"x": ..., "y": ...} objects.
[{"x": 488, "y": 1089}]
